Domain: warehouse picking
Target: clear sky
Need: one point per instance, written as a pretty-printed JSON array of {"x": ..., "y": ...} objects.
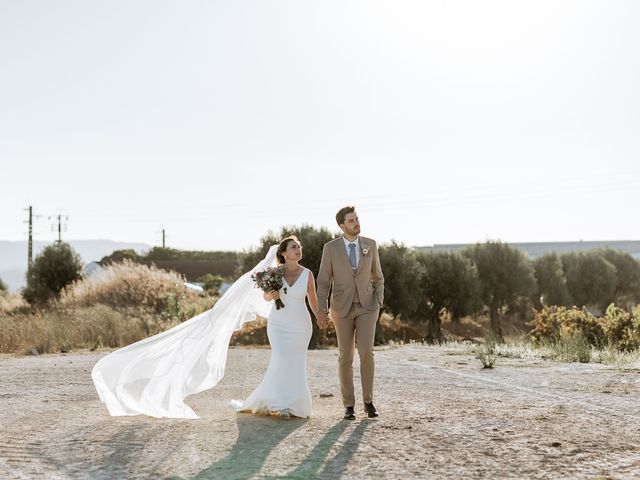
[{"x": 443, "y": 122}]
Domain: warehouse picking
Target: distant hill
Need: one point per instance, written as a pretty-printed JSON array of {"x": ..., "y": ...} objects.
[
  {"x": 13, "y": 255},
  {"x": 537, "y": 249}
]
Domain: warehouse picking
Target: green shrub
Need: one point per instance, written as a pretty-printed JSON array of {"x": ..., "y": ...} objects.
[
  {"x": 487, "y": 352},
  {"x": 574, "y": 347},
  {"x": 544, "y": 326},
  {"x": 622, "y": 329},
  {"x": 573, "y": 322},
  {"x": 558, "y": 324},
  {"x": 211, "y": 283},
  {"x": 56, "y": 267}
]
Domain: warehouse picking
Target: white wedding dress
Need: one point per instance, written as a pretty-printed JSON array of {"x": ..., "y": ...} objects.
[
  {"x": 284, "y": 389},
  {"x": 155, "y": 375}
]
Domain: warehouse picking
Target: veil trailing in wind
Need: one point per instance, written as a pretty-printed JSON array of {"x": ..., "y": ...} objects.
[{"x": 153, "y": 376}]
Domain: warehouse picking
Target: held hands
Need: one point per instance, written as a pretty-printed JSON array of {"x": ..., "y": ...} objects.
[{"x": 323, "y": 320}]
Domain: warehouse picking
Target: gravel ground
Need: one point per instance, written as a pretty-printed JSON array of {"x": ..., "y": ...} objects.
[{"x": 442, "y": 416}]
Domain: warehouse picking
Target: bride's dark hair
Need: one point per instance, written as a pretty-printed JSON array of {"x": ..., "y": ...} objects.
[{"x": 283, "y": 246}]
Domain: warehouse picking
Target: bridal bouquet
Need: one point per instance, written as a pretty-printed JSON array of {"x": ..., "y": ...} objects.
[{"x": 270, "y": 279}]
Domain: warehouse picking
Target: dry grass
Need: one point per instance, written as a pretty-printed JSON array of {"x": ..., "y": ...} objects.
[
  {"x": 128, "y": 284},
  {"x": 400, "y": 331},
  {"x": 10, "y": 302},
  {"x": 129, "y": 302},
  {"x": 466, "y": 329},
  {"x": 569, "y": 351},
  {"x": 392, "y": 330},
  {"x": 62, "y": 330},
  {"x": 65, "y": 329},
  {"x": 252, "y": 333},
  {"x": 126, "y": 303}
]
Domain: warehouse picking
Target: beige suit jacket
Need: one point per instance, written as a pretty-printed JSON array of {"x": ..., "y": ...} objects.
[{"x": 336, "y": 273}]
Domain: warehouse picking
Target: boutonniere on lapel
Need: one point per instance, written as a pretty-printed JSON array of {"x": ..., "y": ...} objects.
[{"x": 365, "y": 248}]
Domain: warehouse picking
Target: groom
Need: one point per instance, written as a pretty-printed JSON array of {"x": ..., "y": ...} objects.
[{"x": 351, "y": 266}]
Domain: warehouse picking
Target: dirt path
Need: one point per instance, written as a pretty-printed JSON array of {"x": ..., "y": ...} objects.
[{"x": 442, "y": 417}]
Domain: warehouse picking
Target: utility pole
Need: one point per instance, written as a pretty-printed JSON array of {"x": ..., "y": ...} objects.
[
  {"x": 30, "y": 221},
  {"x": 30, "y": 250},
  {"x": 59, "y": 218},
  {"x": 164, "y": 237}
]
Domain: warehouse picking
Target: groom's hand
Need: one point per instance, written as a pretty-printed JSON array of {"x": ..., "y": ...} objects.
[{"x": 323, "y": 320}]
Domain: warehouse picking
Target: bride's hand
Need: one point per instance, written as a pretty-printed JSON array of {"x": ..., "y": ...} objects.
[
  {"x": 322, "y": 320},
  {"x": 273, "y": 294}
]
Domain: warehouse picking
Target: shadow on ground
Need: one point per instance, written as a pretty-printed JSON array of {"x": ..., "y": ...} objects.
[{"x": 258, "y": 436}]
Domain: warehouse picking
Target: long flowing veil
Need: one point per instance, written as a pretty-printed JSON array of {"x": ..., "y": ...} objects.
[{"x": 153, "y": 376}]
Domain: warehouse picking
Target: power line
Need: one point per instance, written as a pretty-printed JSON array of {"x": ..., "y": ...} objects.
[
  {"x": 442, "y": 196},
  {"x": 431, "y": 197},
  {"x": 387, "y": 203}
]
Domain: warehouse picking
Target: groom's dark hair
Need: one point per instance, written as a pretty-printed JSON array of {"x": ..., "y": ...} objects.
[{"x": 343, "y": 213}]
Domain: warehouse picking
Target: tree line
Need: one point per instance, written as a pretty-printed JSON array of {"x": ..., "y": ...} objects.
[
  {"x": 490, "y": 277},
  {"x": 501, "y": 280}
]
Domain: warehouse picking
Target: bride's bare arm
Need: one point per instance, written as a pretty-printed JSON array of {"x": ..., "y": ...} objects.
[{"x": 311, "y": 294}]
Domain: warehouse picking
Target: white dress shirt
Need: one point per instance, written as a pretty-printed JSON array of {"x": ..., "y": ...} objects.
[{"x": 357, "y": 244}]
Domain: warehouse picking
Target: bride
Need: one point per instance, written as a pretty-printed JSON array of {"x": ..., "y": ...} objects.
[
  {"x": 155, "y": 375},
  {"x": 284, "y": 389}
]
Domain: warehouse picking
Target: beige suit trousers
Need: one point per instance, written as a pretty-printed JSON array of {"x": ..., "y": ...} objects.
[{"x": 359, "y": 327}]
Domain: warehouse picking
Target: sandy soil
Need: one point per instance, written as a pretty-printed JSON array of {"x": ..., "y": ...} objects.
[{"x": 442, "y": 417}]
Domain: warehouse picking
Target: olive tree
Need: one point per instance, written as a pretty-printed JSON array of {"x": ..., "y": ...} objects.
[
  {"x": 591, "y": 278},
  {"x": 449, "y": 281},
  {"x": 552, "y": 283},
  {"x": 506, "y": 275}
]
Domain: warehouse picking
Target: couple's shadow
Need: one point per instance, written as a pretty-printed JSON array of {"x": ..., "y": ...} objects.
[{"x": 258, "y": 436}]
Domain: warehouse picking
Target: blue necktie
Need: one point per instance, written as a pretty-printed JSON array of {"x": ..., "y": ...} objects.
[{"x": 352, "y": 256}]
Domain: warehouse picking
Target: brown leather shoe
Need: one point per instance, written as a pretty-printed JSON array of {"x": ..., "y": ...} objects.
[
  {"x": 349, "y": 413},
  {"x": 371, "y": 410}
]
